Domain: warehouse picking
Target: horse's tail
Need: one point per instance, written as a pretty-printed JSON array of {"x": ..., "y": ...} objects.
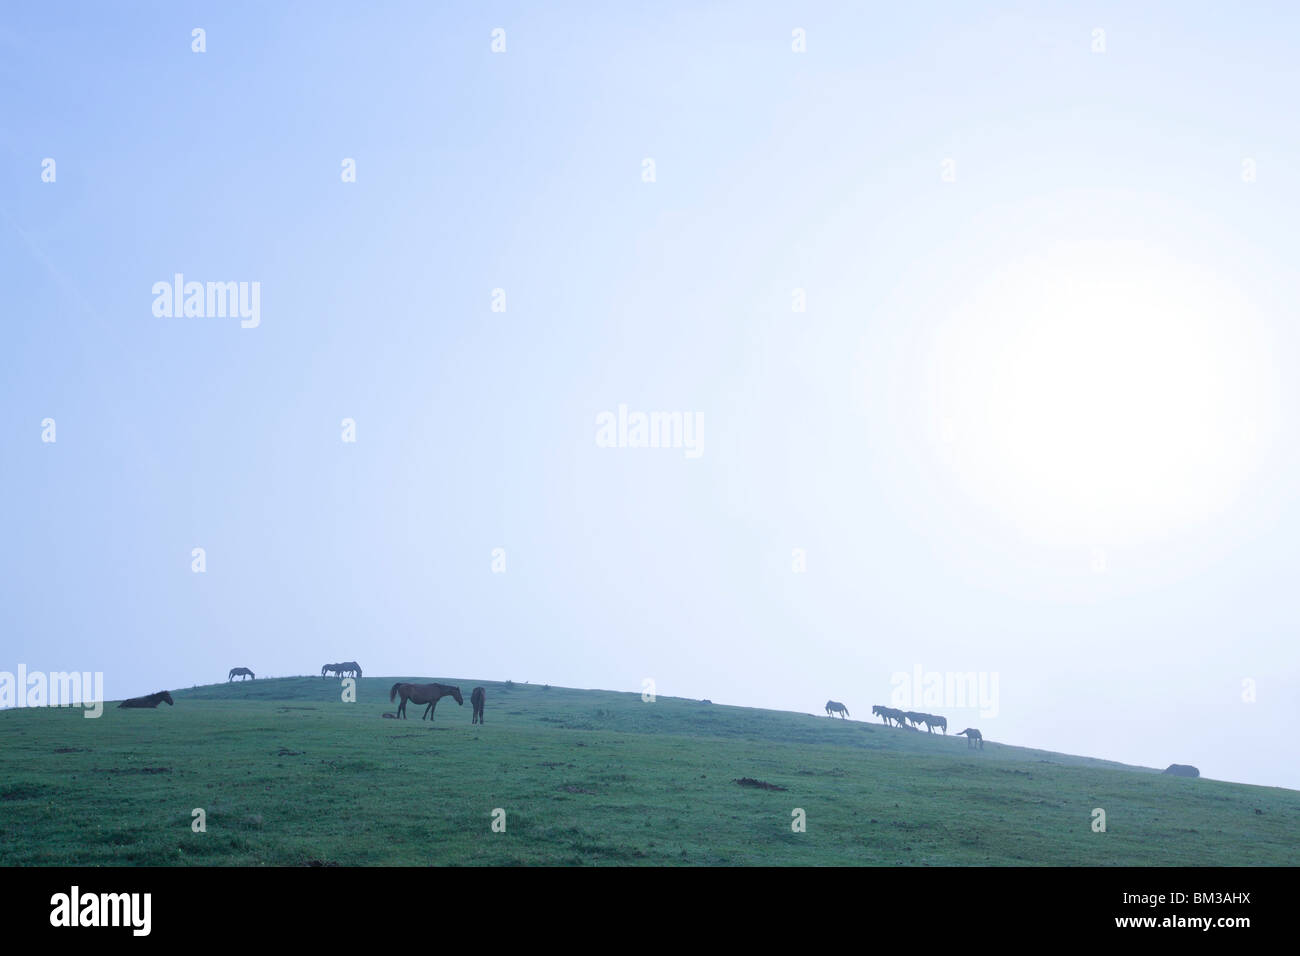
[{"x": 392, "y": 694}]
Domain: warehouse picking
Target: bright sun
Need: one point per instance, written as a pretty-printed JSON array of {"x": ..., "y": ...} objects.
[{"x": 1101, "y": 390}]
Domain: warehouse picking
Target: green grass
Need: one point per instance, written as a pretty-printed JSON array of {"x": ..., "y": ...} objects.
[{"x": 289, "y": 774}]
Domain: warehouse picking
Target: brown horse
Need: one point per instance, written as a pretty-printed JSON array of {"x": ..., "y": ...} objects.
[
  {"x": 476, "y": 698},
  {"x": 424, "y": 694},
  {"x": 243, "y": 672},
  {"x": 153, "y": 700}
]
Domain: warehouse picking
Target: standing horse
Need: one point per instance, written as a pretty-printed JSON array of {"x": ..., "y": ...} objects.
[
  {"x": 153, "y": 700},
  {"x": 972, "y": 735},
  {"x": 350, "y": 669},
  {"x": 834, "y": 707},
  {"x": 243, "y": 672},
  {"x": 329, "y": 669},
  {"x": 931, "y": 722},
  {"x": 476, "y": 698},
  {"x": 424, "y": 694}
]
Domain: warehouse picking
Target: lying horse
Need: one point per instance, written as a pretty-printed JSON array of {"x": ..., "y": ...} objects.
[
  {"x": 424, "y": 694},
  {"x": 476, "y": 698},
  {"x": 834, "y": 707},
  {"x": 153, "y": 700},
  {"x": 243, "y": 672}
]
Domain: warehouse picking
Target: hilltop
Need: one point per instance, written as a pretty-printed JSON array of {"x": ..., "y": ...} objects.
[{"x": 287, "y": 773}]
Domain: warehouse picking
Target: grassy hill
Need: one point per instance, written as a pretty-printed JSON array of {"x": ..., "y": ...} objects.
[{"x": 290, "y": 774}]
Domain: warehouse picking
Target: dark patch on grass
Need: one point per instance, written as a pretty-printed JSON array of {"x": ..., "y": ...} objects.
[
  {"x": 21, "y": 791},
  {"x": 131, "y": 770},
  {"x": 72, "y": 750},
  {"x": 760, "y": 784},
  {"x": 290, "y": 753},
  {"x": 570, "y": 788}
]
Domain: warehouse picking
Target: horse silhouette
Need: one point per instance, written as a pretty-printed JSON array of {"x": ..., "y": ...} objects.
[
  {"x": 243, "y": 672},
  {"x": 476, "y": 697},
  {"x": 153, "y": 700},
  {"x": 889, "y": 713},
  {"x": 834, "y": 707},
  {"x": 972, "y": 735},
  {"x": 350, "y": 669},
  {"x": 931, "y": 722},
  {"x": 423, "y": 694},
  {"x": 330, "y": 669}
]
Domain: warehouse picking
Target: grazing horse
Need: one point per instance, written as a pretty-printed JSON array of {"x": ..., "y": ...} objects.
[
  {"x": 350, "y": 669},
  {"x": 153, "y": 700},
  {"x": 423, "y": 694},
  {"x": 931, "y": 722},
  {"x": 834, "y": 707},
  {"x": 243, "y": 672},
  {"x": 972, "y": 735},
  {"x": 477, "y": 697},
  {"x": 330, "y": 669}
]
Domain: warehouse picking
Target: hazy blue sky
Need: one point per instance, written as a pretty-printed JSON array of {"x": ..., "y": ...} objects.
[{"x": 1037, "y": 421}]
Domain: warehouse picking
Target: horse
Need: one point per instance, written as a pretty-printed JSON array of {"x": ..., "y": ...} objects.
[
  {"x": 350, "y": 669},
  {"x": 153, "y": 700},
  {"x": 329, "y": 669},
  {"x": 931, "y": 722},
  {"x": 243, "y": 672},
  {"x": 423, "y": 694},
  {"x": 916, "y": 718},
  {"x": 476, "y": 698},
  {"x": 889, "y": 713},
  {"x": 834, "y": 707},
  {"x": 972, "y": 735}
]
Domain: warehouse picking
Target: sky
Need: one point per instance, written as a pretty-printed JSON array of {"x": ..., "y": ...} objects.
[{"x": 985, "y": 314}]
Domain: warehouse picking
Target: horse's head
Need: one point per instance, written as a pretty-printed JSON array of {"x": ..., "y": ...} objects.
[
  {"x": 166, "y": 695},
  {"x": 876, "y": 710},
  {"x": 455, "y": 692}
]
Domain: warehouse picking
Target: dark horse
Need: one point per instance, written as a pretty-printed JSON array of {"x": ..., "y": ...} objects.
[
  {"x": 423, "y": 694},
  {"x": 243, "y": 672},
  {"x": 350, "y": 668},
  {"x": 476, "y": 698},
  {"x": 153, "y": 700}
]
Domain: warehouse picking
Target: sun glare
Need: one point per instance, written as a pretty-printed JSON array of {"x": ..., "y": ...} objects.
[{"x": 1101, "y": 390}]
